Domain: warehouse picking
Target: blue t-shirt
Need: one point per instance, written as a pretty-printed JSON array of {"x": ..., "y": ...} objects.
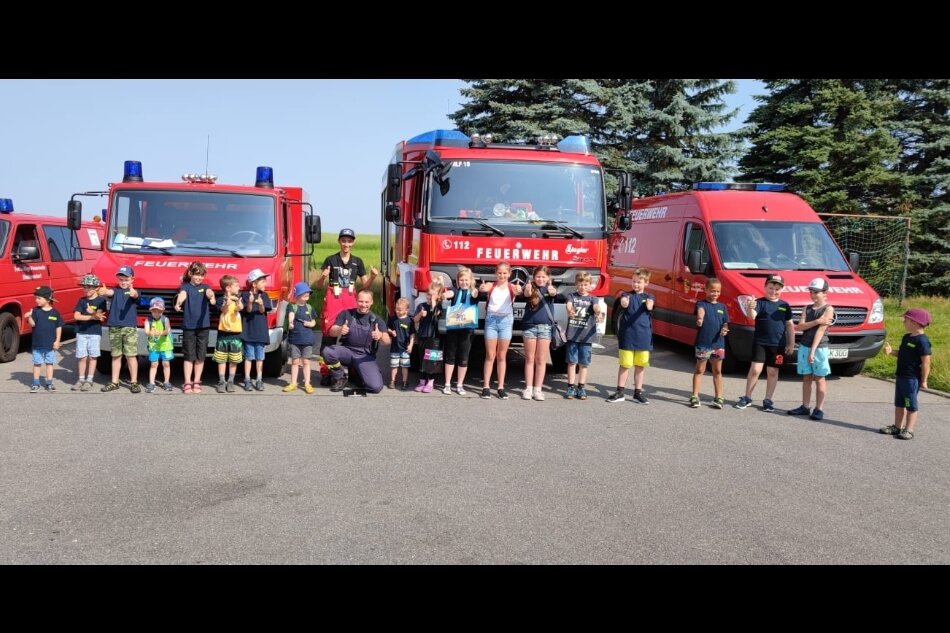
[
  {"x": 255, "y": 328},
  {"x": 93, "y": 327},
  {"x": 122, "y": 310},
  {"x": 302, "y": 335},
  {"x": 708, "y": 336},
  {"x": 196, "y": 309},
  {"x": 582, "y": 327},
  {"x": 538, "y": 315},
  {"x": 909, "y": 357},
  {"x": 770, "y": 319},
  {"x": 636, "y": 324},
  {"x": 44, "y": 332},
  {"x": 404, "y": 328}
]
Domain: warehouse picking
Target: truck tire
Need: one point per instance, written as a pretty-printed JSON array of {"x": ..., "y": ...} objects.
[
  {"x": 9, "y": 337},
  {"x": 848, "y": 369}
]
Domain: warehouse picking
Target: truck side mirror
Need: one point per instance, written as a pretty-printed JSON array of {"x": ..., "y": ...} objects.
[
  {"x": 854, "y": 259},
  {"x": 74, "y": 215},
  {"x": 623, "y": 221},
  {"x": 392, "y": 212},
  {"x": 624, "y": 191},
  {"x": 27, "y": 251},
  {"x": 312, "y": 228},
  {"x": 393, "y": 185},
  {"x": 695, "y": 263}
]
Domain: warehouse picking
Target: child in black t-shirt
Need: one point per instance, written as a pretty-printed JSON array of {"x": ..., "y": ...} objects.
[
  {"x": 913, "y": 369},
  {"x": 773, "y": 322},
  {"x": 402, "y": 330},
  {"x": 47, "y": 326},
  {"x": 426, "y": 319}
]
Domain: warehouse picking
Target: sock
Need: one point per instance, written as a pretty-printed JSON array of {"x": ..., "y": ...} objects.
[
  {"x": 89, "y": 378},
  {"x": 580, "y": 385},
  {"x": 619, "y": 389},
  {"x": 36, "y": 381}
]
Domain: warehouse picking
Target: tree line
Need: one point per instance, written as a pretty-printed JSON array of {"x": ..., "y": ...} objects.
[{"x": 860, "y": 146}]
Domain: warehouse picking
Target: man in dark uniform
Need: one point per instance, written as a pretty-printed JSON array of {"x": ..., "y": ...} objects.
[{"x": 360, "y": 333}]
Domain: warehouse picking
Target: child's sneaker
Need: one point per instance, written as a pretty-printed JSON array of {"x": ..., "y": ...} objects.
[
  {"x": 538, "y": 394},
  {"x": 259, "y": 385},
  {"x": 460, "y": 390},
  {"x": 486, "y": 394},
  {"x": 168, "y": 386},
  {"x": 502, "y": 395},
  {"x": 109, "y": 386},
  {"x": 890, "y": 430},
  {"x": 135, "y": 388},
  {"x": 447, "y": 389},
  {"x": 718, "y": 403},
  {"x": 742, "y": 402},
  {"x": 817, "y": 414},
  {"x": 308, "y": 388},
  {"x": 420, "y": 386},
  {"x": 150, "y": 387},
  {"x": 528, "y": 393},
  {"x": 291, "y": 387},
  {"x": 34, "y": 388},
  {"x": 391, "y": 385},
  {"x": 51, "y": 388},
  {"x": 768, "y": 406},
  {"x": 693, "y": 402},
  {"x": 569, "y": 394},
  {"x": 248, "y": 385},
  {"x": 78, "y": 386},
  {"x": 905, "y": 435},
  {"x": 220, "y": 387},
  {"x": 86, "y": 386},
  {"x": 580, "y": 394},
  {"x": 616, "y": 397},
  {"x": 639, "y": 398},
  {"x": 800, "y": 410},
  {"x": 230, "y": 387},
  {"x": 427, "y": 388}
]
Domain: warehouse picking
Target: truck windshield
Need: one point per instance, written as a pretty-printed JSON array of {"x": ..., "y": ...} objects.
[
  {"x": 777, "y": 246},
  {"x": 196, "y": 222},
  {"x": 508, "y": 192}
]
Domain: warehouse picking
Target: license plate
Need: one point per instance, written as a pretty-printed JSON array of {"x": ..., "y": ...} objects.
[
  {"x": 837, "y": 353},
  {"x": 518, "y": 312},
  {"x": 176, "y": 338}
]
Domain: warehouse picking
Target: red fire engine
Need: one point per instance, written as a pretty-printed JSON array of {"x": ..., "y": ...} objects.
[
  {"x": 159, "y": 228},
  {"x": 451, "y": 200}
]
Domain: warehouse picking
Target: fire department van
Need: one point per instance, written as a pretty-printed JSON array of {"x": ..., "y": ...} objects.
[
  {"x": 37, "y": 250},
  {"x": 159, "y": 228},
  {"x": 741, "y": 233}
]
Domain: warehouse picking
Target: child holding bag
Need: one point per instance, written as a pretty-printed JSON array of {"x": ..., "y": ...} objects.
[{"x": 460, "y": 320}]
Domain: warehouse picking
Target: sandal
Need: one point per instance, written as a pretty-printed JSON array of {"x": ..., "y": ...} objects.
[
  {"x": 890, "y": 430},
  {"x": 905, "y": 435},
  {"x": 186, "y": 388},
  {"x": 196, "y": 387}
]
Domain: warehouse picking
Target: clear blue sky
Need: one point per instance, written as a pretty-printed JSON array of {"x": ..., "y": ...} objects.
[{"x": 333, "y": 137}]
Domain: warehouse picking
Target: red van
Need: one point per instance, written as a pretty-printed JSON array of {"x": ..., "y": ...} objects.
[
  {"x": 38, "y": 250},
  {"x": 741, "y": 233}
]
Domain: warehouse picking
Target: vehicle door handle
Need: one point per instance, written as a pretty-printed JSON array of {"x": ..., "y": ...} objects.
[
  {"x": 680, "y": 279},
  {"x": 667, "y": 278}
]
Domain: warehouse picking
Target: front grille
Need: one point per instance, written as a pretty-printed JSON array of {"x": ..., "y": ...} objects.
[{"x": 844, "y": 316}]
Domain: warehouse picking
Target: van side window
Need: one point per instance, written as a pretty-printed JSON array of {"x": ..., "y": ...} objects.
[
  {"x": 4, "y": 234},
  {"x": 26, "y": 236},
  {"x": 696, "y": 241},
  {"x": 62, "y": 243}
]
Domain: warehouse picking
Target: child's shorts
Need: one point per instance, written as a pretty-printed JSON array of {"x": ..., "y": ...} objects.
[
  {"x": 629, "y": 358},
  {"x": 905, "y": 393},
  {"x": 124, "y": 341},
  {"x": 771, "y": 356},
  {"x": 819, "y": 368},
  {"x": 541, "y": 332},
  {"x": 154, "y": 357},
  {"x": 499, "y": 327},
  {"x": 578, "y": 353},
  {"x": 253, "y": 351},
  {"x": 399, "y": 359},
  {"x": 41, "y": 356},
  {"x": 710, "y": 353},
  {"x": 301, "y": 351},
  {"x": 87, "y": 345},
  {"x": 194, "y": 344},
  {"x": 229, "y": 348}
]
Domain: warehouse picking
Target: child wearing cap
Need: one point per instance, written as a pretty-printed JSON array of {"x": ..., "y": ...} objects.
[
  {"x": 89, "y": 314},
  {"x": 194, "y": 301},
  {"x": 301, "y": 319},
  {"x": 254, "y": 332},
  {"x": 47, "y": 324},
  {"x": 773, "y": 322},
  {"x": 123, "y": 328},
  {"x": 158, "y": 333},
  {"x": 813, "y": 349},
  {"x": 229, "y": 349},
  {"x": 913, "y": 369}
]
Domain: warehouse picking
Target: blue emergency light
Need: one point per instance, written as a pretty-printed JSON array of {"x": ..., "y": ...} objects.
[
  {"x": 265, "y": 178},
  {"x": 132, "y": 171},
  {"x": 6, "y": 205},
  {"x": 575, "y": 143},
  {"x": 435, "y": 138},
  {"x": 738, "y": 186}
]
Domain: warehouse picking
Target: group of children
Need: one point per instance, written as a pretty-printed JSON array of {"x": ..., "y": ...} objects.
[{"x": 243, "y": 335}]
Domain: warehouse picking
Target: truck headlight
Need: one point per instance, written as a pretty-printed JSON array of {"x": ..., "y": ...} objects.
[{"x": 877, "y": 312}]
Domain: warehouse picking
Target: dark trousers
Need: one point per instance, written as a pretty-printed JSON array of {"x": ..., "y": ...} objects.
[{"x": 338, "y": 356}]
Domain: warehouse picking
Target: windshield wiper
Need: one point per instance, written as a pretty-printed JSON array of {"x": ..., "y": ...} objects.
[
  {"x": 162, "y": 249},
  {"x": 558, "y": 223},
  {"x": 493, "y": 229},
  {"x": 232, "y": 252}
]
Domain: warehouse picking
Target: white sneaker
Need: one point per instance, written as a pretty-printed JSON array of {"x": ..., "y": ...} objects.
[
  {"x": 538, "y": 394},
  {"x": 460, "y": 390},
  {"x": 528, "y": 393},
  {"x": 447, "y": 390}
]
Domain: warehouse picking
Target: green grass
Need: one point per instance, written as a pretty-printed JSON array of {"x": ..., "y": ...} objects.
[
  {"x": 938, "y": 332},
  {"x": 366, "y": 248}
]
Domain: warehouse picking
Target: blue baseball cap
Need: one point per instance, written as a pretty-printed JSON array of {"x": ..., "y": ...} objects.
[
  {"x": 126, "y": 270},
  {"x": 301, "y": 288},
  {"x": 347, "y": 233}
]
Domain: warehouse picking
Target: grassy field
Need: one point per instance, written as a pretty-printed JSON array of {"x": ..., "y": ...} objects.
[
  {"x": 938, "y": 332},
  {"x": 366, "y": 248}
]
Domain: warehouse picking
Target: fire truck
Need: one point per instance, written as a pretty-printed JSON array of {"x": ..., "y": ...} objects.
[
  {"x": 451, "y": 200},
  {"x": 159, "y": 228},
  {"x": 38, "y": 250}
]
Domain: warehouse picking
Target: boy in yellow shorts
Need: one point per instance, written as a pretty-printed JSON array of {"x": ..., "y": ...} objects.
[{"x": 635, "y": 336}]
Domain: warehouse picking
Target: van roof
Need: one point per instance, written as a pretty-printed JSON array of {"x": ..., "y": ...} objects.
[{"x": 732, "y": 205}]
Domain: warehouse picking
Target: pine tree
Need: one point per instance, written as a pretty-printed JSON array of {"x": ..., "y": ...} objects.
[{"x": 832, "y": 141}]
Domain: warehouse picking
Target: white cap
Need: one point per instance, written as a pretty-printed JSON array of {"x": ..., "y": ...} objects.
[
  {"x": 818, "y": 284},
  {"x": 255, "y": 274}
]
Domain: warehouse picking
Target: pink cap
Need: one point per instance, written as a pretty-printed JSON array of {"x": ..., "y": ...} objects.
[{"x": 918, "y": 315}]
